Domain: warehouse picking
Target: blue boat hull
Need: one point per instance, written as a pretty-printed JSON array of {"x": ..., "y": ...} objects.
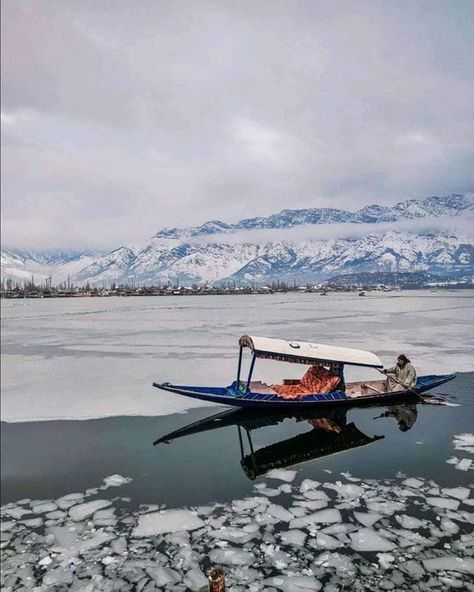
[{"x": 232, "y": 397}]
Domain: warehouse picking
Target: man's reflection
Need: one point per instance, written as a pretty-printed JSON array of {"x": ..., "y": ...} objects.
[{"x": 405, "y": 415}]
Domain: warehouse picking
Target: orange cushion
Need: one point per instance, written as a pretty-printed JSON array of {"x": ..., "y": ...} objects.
[{"x": 319, "y": 380}]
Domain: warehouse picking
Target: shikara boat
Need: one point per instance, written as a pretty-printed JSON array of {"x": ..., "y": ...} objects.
[
  {"x": 328, "y": 433},
  {"x": 322, "y": 385}
]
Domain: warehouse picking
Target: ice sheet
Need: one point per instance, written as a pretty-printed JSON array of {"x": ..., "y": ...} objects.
[
  {"x": 156, "y": 523},
  {"x": 108, "y": 366}
]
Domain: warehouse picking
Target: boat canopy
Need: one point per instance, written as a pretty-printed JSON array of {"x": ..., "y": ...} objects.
[{"x": 302, "y": 352}]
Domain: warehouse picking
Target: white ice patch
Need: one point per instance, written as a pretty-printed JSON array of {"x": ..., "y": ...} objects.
[
  {"x": 282, "y": 474},
  {"x": 464, "y": 464},
  {"x": 308, "y": 484},
  {"x": 115, "y": 481},
  {"x": 156, "y": 523},
  {"x": 367, "y": 518},
  {"x": 83, "y": 511},
  {"x": 443, "y": 503},
  {"x": 231, "y": 557},
  {"x": 43, "y": 508},
  {"x": 322, "y": 517},
  {"x": 368, "y": 539},
  {"x": 464, "y": 442},
  {"x": 293, "y": 537},
  {"x": 414, "y": 483},
  {"x": 460, "y": 493},
  {"x": 409, "y": 522},
  {"x": 294, "y": 583},
  {"x": 450, "y": 563}
]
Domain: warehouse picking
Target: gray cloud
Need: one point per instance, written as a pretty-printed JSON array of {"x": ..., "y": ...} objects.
[
  {"x": 463, "y": 226},
  {"x": 120, "y": 118}
]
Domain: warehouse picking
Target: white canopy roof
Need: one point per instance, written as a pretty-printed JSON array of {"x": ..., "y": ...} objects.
[{"x": 304, "y": 352}]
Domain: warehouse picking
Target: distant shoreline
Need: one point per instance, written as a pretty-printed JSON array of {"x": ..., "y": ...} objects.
[{"x": 140, "y": 292}]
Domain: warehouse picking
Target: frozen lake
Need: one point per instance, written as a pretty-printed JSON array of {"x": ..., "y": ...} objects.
[
  {"x": 364, "y": 499},
  {"x": 90, "y": 357}
]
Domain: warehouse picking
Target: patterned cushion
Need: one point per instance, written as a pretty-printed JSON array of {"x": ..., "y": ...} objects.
[{"x": 316, "y": 380}]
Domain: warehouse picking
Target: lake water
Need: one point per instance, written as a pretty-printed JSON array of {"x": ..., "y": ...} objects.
[{"x": 371, "y": 499}]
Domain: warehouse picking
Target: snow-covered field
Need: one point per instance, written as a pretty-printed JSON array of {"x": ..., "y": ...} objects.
[{"x": 85, "y": 358}]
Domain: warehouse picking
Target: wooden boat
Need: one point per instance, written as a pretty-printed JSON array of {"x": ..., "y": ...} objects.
[
  {"x": 328, "y": 433},
  {"x": 259, "y": 395}
]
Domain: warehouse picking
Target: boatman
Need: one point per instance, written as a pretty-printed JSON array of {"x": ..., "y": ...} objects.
[{"x": 401, "y": 377}]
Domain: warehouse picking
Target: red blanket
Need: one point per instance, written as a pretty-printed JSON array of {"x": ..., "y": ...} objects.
[{"x": 316, "y": 380}]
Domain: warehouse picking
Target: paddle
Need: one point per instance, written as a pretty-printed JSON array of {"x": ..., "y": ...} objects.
[{"x": 401, "y": 384}]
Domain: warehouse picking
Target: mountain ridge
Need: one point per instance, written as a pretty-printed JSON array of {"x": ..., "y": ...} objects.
[{"x": 174, "y": 256}]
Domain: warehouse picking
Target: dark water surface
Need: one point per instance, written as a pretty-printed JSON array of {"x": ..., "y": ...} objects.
[{"x": 50, "y": 459}]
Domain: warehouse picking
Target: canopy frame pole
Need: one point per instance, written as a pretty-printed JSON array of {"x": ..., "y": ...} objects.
[
  {"x": 252, "y": 365},
  {"x": 239, "y": 366}
]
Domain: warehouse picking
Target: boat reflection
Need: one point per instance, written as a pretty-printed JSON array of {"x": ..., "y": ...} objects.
[{"x": 329, "y": 433}]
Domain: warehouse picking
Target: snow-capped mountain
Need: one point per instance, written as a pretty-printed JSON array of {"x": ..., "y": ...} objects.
[
  {"x": 25, "y": 265},
  {"x": 450, "y": 205},
  {"x": 161, "y": 262},
  {"x": 214, "y": 252}
]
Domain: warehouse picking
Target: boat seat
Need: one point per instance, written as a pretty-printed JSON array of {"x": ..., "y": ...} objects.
[{"x": 257, "y": 386}]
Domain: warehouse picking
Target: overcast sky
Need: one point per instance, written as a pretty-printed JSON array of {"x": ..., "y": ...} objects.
[{"x": 121, "y": 117}]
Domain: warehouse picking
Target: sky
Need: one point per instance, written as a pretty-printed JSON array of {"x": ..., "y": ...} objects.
[{"x": 120, "y": 118}]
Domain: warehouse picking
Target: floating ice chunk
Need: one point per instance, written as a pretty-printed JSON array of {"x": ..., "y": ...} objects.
[
  {"x": 14, "y": 512},
  {"x": 412, "y": 567},
  {"x": 282, "y": 475},
  {"x": 415, "y": 483},
  {"x": 450, "y": 563},
  {"x": 453, "y": 460},
  {"x": 60, "y": 576},
  {"x": 308, "y": 484},
  {"x": 385, "y": 560},
  {"x": 231, "y": 557},
  {"x": 460, "y": 493},
  {"x": 443, "y": 502},
  {"x": 322, "y": 517},
  {"x": 449, "y": 526},
  {"x": 248, "y": 504},
  {"x": 368, "y": 539},
  {"x": 119, "y": 546},
  {"x": 326, "y": 541},
  {"x": 231, "y": 534},
  {"x": 100, "y": 514},
  {"x": 293, "y": 537},
  {"x": 115, "y": 481},
  {"x": 45, "y": 561},
  {"x": 316, "y": 494},
  {"x": 7, "y": 525},
  {"x": 293, "y": 583},
  {"x": 409, "y": 522},
  {"x": 268, "y": 491},
  {"x": 280, "y": 513},
  {"x": 195, "y": 580},
  {"x": 83, "y": 511},
  {"x": 464, "y": 464},
  {"x": 345, "y": 490},
  {"x": 367, "y": 518},
  {"x": 385, "y": 506},
  {"x": 163, "y": 576},
  {"x": 462, "y": 441},
  {"x": 314, "y": 505},
  {"x": 69, "y": 500},
  {"x": 32, "y": 522},
  {"x": 341, "y": 563},
  {"x": 166, "y": 521},
  {"x": 43, "y": 508},
  {"x": 298, "y": 511}
]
